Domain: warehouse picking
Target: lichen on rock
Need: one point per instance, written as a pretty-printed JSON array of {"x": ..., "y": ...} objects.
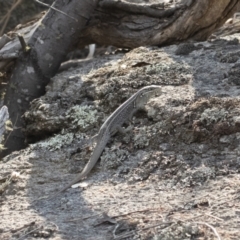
[
  {"x": 82, "y": 117},
  {"x": 213, "y": 115},
  {"x": 55, "y": 143}
]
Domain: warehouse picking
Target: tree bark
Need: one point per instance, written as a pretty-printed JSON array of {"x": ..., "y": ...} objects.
[
  {"x": 124, "y": 25},
  {"x": 49, "y": 45},
  {"x": 118, "y": 23}
]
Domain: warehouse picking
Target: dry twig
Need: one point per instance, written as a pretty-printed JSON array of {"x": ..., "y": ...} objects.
[
  {"x": 210, "y": 226},
  {"x": 5, "y": 18},
  {"x": 55, "y": 9}
]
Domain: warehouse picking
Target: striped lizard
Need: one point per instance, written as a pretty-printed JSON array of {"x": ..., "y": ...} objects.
[{"x": 114, "y": 124}]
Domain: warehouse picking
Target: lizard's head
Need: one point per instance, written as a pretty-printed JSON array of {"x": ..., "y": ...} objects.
[{"x": 145, "y": 93}]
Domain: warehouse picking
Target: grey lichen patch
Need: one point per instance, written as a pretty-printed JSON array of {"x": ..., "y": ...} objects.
[
  {"x": 113, "y": 157},
  {"x": 170, "y": 74},
  {"x": 82, "y": 117},
  {"x": 56, "y": 142},
  {"x": 213, "y": 115},
  {"x": 145, "y": 134},
  {"x": 163, "y": 128}
]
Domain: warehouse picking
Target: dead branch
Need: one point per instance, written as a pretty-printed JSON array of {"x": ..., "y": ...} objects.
[
  {"x": 145, "y": 9},
  {"x": 7, "y": 16},
  {"x": 210, "y": 226}
]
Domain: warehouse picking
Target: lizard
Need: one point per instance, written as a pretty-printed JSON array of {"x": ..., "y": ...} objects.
[{"x": 112, "y": 125}]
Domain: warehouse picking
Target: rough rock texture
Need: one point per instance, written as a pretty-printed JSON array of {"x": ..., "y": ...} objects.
[{"x": 174, "y": 175}]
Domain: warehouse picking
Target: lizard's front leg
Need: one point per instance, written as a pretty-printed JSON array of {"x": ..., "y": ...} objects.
[{"x": 124, "y": 130}]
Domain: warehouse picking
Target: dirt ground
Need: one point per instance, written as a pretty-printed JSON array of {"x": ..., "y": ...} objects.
[{"x": 174, "y": 175}]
